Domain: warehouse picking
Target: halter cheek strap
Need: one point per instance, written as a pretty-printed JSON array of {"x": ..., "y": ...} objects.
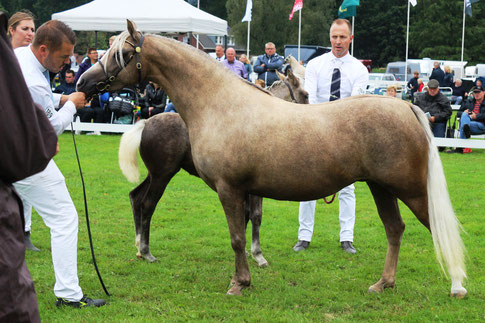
[
  {"x": 105, "y": 85},
  {"x": 292, "y": 95}
]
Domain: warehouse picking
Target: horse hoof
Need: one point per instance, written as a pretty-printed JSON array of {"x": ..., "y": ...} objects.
[
  {"x": 150, "y": 258},
  {"x": 235, "y": 290},
  {"x": 461, "y": 293},
  {"x": 263, "y": 263},
  {"x": 374, "y": 290}
]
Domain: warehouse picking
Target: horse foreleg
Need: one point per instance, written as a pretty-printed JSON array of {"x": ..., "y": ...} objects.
[
  {"x": 233, "y": 203},
  {"x": 388, "y": 210},
  {"x": 255, "y": 215}
]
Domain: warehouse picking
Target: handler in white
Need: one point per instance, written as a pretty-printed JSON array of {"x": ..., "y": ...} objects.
[
  {"x": 46, "y": 191},
  {"x": 318, "y": 83}
]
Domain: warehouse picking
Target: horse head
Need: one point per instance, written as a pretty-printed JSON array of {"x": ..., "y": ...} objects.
[{"x": 120, "y": 66}]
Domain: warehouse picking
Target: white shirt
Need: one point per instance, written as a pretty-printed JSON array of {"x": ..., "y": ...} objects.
[
  {"x": 318, "y": 77},
  {"x": 41, "y": 90}
]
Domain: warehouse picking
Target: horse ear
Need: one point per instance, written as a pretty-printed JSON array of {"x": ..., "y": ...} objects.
[
  {"x": 132, "y": 30},
  {"x": 281, "y": 76},
  {"x": 292, "y": 78}
]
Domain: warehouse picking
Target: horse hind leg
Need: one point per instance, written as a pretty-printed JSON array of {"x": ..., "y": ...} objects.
[
  {"x": 255, "y": 215},
  {"x": 419, "y": 206},
  {"x": 136, "y": 198},
  {"x": 388, "y": 210}
]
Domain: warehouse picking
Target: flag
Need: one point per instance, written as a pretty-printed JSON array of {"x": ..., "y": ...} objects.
[
  {"x": 249, "y": 8},
  {"x": 413, "y": 2},
  {"x": 348, "y": 8},
  {"x": 468, "y": 6},
  {"x": 297, "y": 6}
]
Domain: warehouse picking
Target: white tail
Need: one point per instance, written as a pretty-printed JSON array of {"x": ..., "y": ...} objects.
[
  {"x": 445, "y": 227},
  {"x": 127, "y": 155}
]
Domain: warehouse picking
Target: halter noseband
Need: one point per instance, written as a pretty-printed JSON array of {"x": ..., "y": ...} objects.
[{"x": 105, "y": 85}]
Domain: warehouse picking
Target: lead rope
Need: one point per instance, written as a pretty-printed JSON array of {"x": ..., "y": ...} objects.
[
  {"x": 331, "y": 200},
  {"x": 86, "y": 211}
]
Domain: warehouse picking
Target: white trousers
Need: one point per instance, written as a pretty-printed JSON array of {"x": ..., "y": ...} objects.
[
  {"x": 306, "y": 216},
  {"x": 47, "y": 193}
]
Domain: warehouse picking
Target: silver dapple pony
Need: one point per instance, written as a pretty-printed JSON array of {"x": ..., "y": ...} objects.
[
  {"x": 163, "y": 141},
  {"x": 244, "y": 142}
]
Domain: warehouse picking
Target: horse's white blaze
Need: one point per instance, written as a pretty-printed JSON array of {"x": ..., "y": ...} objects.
[
  {"x": 445, "y": 227},
  {"x": 127, "y": 157}
]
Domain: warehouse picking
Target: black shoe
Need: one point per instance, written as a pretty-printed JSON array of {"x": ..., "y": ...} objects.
[
  {"x": 455, "y": 151},
  {"x": 28, "y": 243},
  {"x": 301, "y": 245},
  {"x": 466, "y": 131},
  {"x": 83, "y": 302},
  {"x": 348, "y": 247}
]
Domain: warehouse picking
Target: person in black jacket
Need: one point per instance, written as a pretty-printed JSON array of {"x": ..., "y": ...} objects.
[
  {"x": 155, "y": 100},
  {"x": 437, "y": 106},
  {"x": 437, "y": 74},
  {"x": 413, "y": 85}
]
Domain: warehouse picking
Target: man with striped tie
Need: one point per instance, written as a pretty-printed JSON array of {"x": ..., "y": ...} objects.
[{"x": 329, "y": 77}]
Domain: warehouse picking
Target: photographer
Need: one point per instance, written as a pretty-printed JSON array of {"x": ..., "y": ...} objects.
[{"x": 472, "y": 121}]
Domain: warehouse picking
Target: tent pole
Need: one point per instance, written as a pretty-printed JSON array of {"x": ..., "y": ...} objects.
[{"x": 96, "y": 39}]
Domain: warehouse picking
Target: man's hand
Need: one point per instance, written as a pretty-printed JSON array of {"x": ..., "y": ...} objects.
[
  {"x": 78, "y": 98},
  {"x": 432, "y": 119},
  {"x": 57, "y": 149},
  {"x": 473, "y": 116}
]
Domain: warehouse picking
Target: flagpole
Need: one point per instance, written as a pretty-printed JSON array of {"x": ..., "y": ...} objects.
[
  {"x": 197, "y": 36},
  {"x": 353, "y": 22},
  {"x": 299, "y": 34},
  {"x": 463, "y": 36},
  {"x": 249, "y": 30},
  {"x": 407, "y": 46}
]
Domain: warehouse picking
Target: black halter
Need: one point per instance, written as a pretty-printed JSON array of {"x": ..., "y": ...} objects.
[
  {"x": 105, "y": 85},
  {"x": 292, "y": 95}
]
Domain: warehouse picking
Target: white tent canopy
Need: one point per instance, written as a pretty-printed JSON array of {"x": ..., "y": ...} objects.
[{"x": 170, "y": 16}]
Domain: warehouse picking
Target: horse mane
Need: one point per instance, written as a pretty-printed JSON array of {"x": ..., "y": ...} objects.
[
  {"x": 259, "y": 87},
  {"x": 120, "y": 40}
]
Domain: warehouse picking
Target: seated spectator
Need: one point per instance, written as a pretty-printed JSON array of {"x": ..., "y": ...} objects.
[
  {"x": 459, "y": 92},
  {"x": 170, "y": 108},
  {"x": 155, "y": 100},
  {"x": 391, "y": 91},
  {"x": 234, "y": 65},
  {"x": 436, "y": 106},
  {"x": 68, "y": 86},
  {"x": 420, "y": 85},
  {"x": 472, "y": 121},
  {"x": 413, "y": 85},
  {"x": 448, "y": 79},
  {"x": 92, "y": 111}
]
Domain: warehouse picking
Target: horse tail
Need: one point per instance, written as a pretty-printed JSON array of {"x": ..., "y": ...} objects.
[
  {"x": 127, "y": 156},
  {"x": 445, "y": 227}
]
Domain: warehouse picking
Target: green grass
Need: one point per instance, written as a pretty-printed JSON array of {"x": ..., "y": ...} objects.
[{"x": 189, "y": 236}]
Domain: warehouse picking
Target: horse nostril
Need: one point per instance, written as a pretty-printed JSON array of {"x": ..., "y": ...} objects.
[{"x": 80, "y": 83}]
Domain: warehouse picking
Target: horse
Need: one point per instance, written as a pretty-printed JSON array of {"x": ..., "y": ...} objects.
[
  {"x": 244, "y": 141},
  {"x": 163, "y": 142},
  {"x": 296, "y": 67}
]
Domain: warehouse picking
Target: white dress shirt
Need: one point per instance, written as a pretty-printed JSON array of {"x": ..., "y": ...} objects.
[
  {"x": 41, "y": 90},
  {"x": 318, "y": 77}
]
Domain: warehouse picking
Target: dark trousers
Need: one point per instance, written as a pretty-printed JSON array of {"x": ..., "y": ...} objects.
[{"x": 96, "y": 114}]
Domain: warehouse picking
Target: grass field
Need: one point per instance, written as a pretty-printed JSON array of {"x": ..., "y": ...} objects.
[{"x": 190, "y": 238}]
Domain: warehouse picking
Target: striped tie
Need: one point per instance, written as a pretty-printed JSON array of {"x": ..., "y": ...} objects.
[{"x": 335, "y": 86}]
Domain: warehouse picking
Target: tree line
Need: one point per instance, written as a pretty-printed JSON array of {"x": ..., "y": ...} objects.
[{"x": 380, "y": 25}]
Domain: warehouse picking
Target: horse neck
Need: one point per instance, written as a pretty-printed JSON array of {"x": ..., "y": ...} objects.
[{"x": 192, "y": 80}]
